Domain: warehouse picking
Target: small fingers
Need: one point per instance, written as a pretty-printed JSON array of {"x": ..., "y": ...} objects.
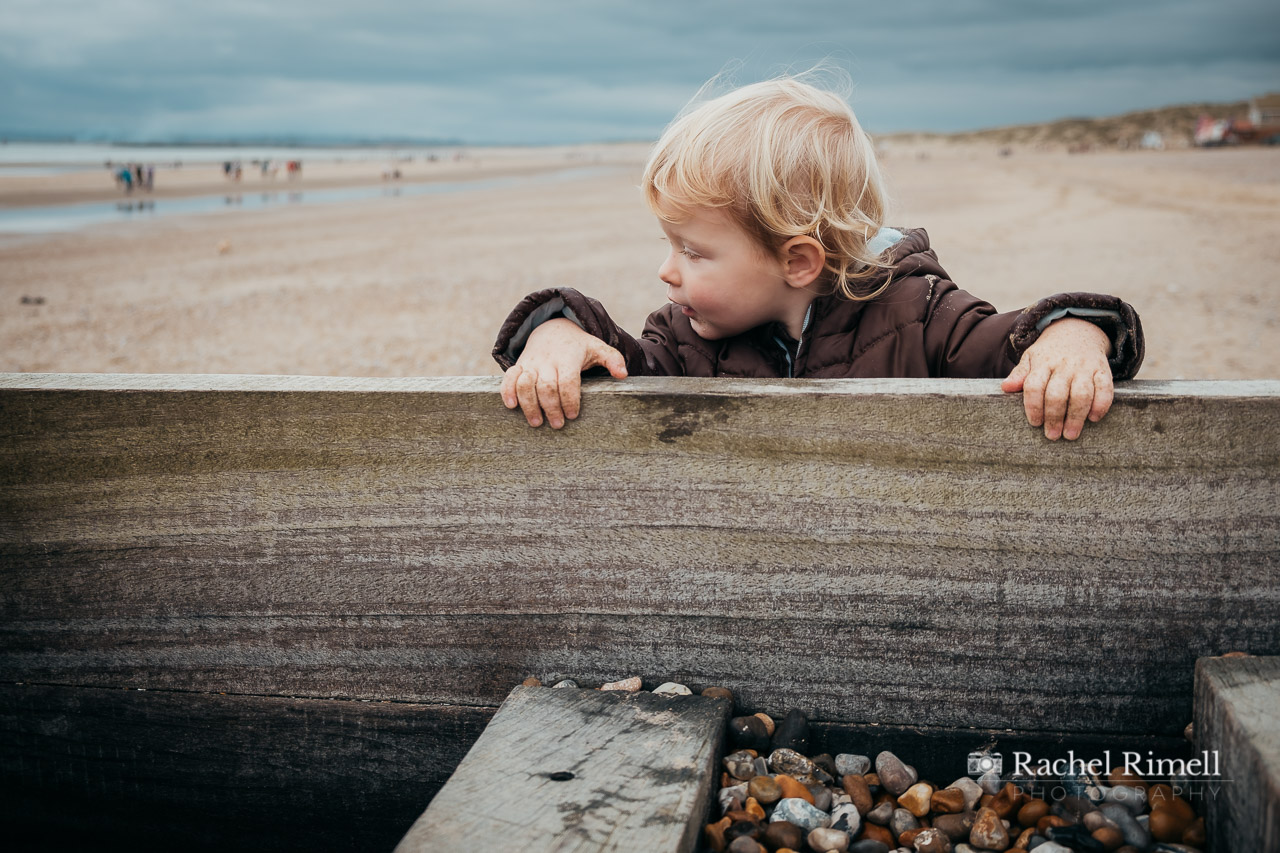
[
  {"x": 1056, "y": 394},
  {"x": 509, "y": 398},
  {"x": 1013, "y": 382},
  {"x": 570, "y": 395},
  {"x": 1104, "y": 391},
  {"x": 1078, "y": 407},
  {"x": 549, "y": 397},
  {"x": 1033, "y": 386},
  {"x": 527, "y": 395}
]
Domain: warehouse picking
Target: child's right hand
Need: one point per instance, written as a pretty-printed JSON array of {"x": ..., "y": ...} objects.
[{"x": 548, "y": 375}]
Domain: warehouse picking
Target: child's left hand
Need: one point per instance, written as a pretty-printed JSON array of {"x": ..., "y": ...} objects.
[{"x": 1064, "y": 377}]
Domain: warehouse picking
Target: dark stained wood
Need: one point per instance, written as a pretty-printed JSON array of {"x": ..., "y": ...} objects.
[
  {"x": 128, "y": 769},
  {"x": 1237, "y": 703},
  {"x": 901, "y": 552},
  {"x": 581, "y": 770}
]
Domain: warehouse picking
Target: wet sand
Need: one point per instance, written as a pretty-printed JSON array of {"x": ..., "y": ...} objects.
[{"x": 417, "y": 286}]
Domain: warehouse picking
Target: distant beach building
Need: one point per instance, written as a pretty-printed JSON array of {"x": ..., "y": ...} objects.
[
  {"x": 1265, "y": 111},
  {"x": 1152, "y": 140}
]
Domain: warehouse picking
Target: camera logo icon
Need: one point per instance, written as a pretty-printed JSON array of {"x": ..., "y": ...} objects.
[{"x": 981, "y": 763}]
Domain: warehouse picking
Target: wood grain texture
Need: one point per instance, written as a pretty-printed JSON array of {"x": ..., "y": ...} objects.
[
  {"x": 891, "y": 551},
  {"x": 1237, "y": 702},
  {"x": 130, "y": 770},
  {"x": 642, "y": 771}
]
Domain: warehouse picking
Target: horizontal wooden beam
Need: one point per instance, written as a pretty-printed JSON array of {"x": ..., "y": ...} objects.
[
  {"x": 582, "y": 770},
  {"x": 891, "y": 551}
]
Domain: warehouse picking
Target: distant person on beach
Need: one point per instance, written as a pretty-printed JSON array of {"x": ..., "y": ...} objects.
[
  {"x": 125, "y": 178},
  {"x": 781, "y": 265}
]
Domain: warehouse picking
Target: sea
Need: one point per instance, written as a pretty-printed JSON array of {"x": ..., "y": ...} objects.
[{"x": 51, "y": 158}]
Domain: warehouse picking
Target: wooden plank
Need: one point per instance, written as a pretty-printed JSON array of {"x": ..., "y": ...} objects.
[
  {"x": 913, "y": 552},
  {"x": 581, "y": 770},
  {"x": 130, "y": 770},
  {"x": 1237, "y": 701}
]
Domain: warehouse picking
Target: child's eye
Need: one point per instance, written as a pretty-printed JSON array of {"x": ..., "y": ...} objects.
[{"x": 690, "y": 253}]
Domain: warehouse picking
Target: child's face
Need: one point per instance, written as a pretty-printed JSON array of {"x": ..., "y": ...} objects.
[{"x": 723, "y": 280}]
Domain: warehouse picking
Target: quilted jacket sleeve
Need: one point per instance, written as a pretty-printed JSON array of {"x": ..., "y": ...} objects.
[
  {"x": 653, "y": 354},
  {"x": 966, "y": 338}
]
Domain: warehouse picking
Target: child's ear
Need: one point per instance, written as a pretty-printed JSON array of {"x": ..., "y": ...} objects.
[{"x": 803, "y": 260}]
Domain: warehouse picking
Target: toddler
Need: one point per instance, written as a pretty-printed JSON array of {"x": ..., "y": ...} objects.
[{"x": 780, "y": 265}]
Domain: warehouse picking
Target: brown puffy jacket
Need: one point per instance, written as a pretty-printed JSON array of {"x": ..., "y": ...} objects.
[{"x": 922, "y": 325}]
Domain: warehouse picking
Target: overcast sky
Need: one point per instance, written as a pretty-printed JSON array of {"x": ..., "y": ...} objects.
[{"x": 507, "y": 71}]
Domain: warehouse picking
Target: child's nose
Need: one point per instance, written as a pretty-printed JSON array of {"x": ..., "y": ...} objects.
[{"x": 667, "y": 271}]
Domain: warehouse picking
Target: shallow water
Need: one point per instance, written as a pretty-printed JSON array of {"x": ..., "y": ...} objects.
[{"x": 139, "y": 207}]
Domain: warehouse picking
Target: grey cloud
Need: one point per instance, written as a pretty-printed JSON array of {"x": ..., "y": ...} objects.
[{"x": 502, "y": 70}]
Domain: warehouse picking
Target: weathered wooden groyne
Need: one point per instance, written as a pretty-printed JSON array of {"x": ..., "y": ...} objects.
[{"x": 274, "y": 612}]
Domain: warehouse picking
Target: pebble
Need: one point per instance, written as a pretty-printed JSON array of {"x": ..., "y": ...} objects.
[
  {"x": 765, "y": 789},
  {"x": 1053, "y": 847},
  {"x": 718, "y": 693},
  {"x": 869, "y": 845},
  {"x": 931, "y": 841},
  {"x": 824, "y": 839},
  {"x": 741, "y": 765},
  {"x": 748, "y": 733},
  {"x": 793, "y": 732},
  {"x": 852, "y": 765},
  {"x": 988, "y": 830},
  {"x": 821, "y": 797},
  {"x": 790, "y": 762},
  {"x": 793, "y": 788},
  {"x": 990, "y": 782},
  {"x": 895, "y": 776},
  {"x": 783, "y": 833},
  {"x": 800, "y": 812},
  {"x": 1108, "y": 836},
  {"x": 532, "y": 681},
  {"x": 743, "y": 824},
  {"x": 715, "y": 833},
  {"x": 901, "y": 821},
  {"x": 734, "y": 797},
  {"x": 1093, "y": 821},
  {"x": 769, "y": 725},
  {"x": 946, "y": 801},
  {"x": 916, "y": 798},
  {"x": 629, "y": 685},
  {"x": 761, "y": 766},
  {"x": 1133, "y": 832},
  {"x": 563, "y": 683},
  {"x": 1130, "y": 797},
  {"x": 1033, "y": 811},
  {"x": 1077, "y": 838},
  {"x": 671, "y": 688},
  {"x": 880, "y": 814},
  {"x": 1005, "y": 803},
  {"x": 859, "y": 792},
  {"x": 956, "y": 826},
  {"x": 846, "y": 817},
  {"x": 745, "y": 844},
  {"x": 826, "y": 764},
  {"x": 972, "y": 791}
]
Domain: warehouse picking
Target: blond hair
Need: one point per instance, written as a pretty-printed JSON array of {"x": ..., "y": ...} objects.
[{"x": 784, "y": 158}]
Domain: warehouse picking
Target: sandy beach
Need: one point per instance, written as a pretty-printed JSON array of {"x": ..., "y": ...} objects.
[{"x": 416, "y": 285}]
